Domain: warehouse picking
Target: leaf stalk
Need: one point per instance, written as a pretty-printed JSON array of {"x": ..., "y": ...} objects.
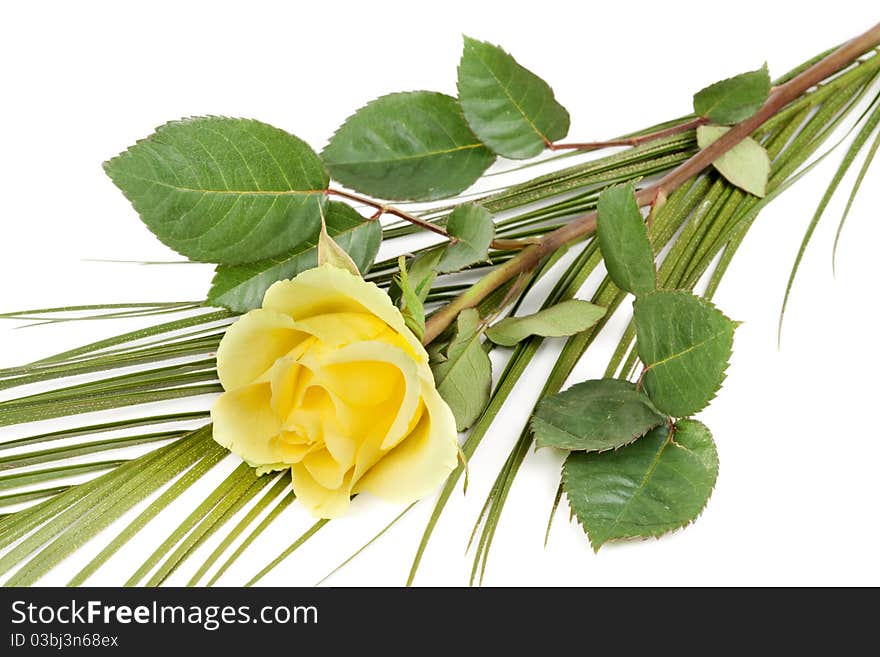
[{"x": 584, "y": 225}]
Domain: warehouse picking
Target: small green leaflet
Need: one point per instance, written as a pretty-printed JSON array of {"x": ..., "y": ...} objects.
[
  {"x": 407, "y": 146},
  {"x": 512, "y": 110},
  {"x": 565, "y": 318},
  {"x": 623, "y": 240},
  {"x": 649, "y": 488},
  {"x": 685, "y": 344},
  {"x": 241, "y": 288},
  {"x": 421, "y": 272},
  {"x": 223, "y": 190},
  {"x": 746, "y": 165},
  {"x": 594, "y": 416},
  {"x": 464, "y": 378},
  {"x": 472, "y": 230},
  {"x": 734, "y": 99},
  {"x": 410, "y": 301},
  {"x": 330, "y": 253}
]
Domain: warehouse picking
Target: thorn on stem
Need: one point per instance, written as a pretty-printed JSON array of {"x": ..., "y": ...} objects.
[
  {"x": 671, "y": 435},
  {"x": 641, "y": 379}
]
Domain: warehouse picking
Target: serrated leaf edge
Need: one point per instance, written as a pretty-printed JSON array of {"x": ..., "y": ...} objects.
[
  {"x": 723, "y": 374},
  {"x": 234, "y": 192},
  {"x": 657, "y": 534},
  {"x": 477, "y": 143},
  {"x": 539, "y": 445},
  {"x": 763, "y": 68},
  {"x": 454, "y": 363},
  {"x": 320, "y": 193},
  {"x": 544, "y": 139}
]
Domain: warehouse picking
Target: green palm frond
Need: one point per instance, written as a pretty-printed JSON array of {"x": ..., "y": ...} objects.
[
  {"x": 868, "y": 127},
  {"x": 62, "y": 489}
]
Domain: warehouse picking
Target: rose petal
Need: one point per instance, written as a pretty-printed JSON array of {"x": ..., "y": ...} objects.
[
  {"x": 421, "y": 461},
  {"x": 370, "y": 450},
  {"x": 364, "y": 383},
  {"x": 284, "y": 377},
  {"x": 245, "y": 424},
  {"x": 377, "y": 352},
  {"x": 319, "y": 501},
  {"x": 341, "y": 446},
  {"x": 338, "y": 329},
  {"x": 294, "y": 446},
  {"x": 325, "y": 470},
  {"x": 327, "y": 379},
  {"x": 328, "y": 289},
  {"x": 252, "y": 345}
]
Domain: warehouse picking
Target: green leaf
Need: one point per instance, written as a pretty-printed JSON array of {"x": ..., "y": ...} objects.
[
  {"x": 223, "y": 190},
  {"x": 421, "y": 273},
  {"x": 594, "y": 416},
  {"x": 645, "y": 489},
  {"x": 565, "y": 318},
  {"x": 330, "y": 253},
  {"x": 242, "y": 288},
  {"x": 407, "y": 146},
  {"x": 685, "y": 344},
  {"x": 464, "y": 379},
  {"x": 623, "y": 240},
  {"x": 472, "y": 230},
  {"x": 411, "y": 302},
  {"x": 734, "y": 99},
  {"x": 512, "y": 110},
  {"x": 746, "y": 165}
]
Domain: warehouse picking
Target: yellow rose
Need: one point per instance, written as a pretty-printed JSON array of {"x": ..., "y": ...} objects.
[{"x": 325, "y": 379}]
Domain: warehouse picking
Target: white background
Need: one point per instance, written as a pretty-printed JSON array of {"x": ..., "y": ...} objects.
[{"x": 796, "y": 500}]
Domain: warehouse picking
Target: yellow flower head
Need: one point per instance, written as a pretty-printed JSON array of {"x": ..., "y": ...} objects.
[{"x": 325, "y": 379}]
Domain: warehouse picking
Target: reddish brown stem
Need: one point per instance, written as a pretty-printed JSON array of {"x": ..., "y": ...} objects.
[
  {"x": 641, "y": 379},
  {"x": 380, "y": 208},
  {"x": 690, "y": 124}
]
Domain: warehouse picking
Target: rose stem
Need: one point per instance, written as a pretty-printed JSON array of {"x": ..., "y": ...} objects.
[
  {"x": 501, "y": 244},
  {"x": 586, "y": 223},
  {"x": 690, "y": 124}
]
